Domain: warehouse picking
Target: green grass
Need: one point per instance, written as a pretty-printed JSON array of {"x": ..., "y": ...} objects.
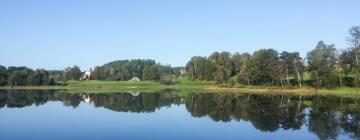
[
  {"x": 342, "y": 90},
  {"x": 184, "y": 86},
  {"x": 182, "y": 81},
  {"x": 94, "y": 91},
  {"x": 186, "y": 82},
  {"x": 112, "y": 83}
]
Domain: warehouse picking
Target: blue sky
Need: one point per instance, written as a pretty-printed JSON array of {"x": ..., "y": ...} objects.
[{"x": 53, "y": 34}]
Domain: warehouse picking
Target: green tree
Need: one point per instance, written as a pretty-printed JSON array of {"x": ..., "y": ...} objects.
[
  {"x": 168, "y": 79},
  {"x": 346, "y": 61},
  {"x": 321, "y": 64},
  {"x": 72, "y": 73},
  {"x": 200, "y": 68},
  {"x": 18, "y": 78},
  {"x": 355, "y": 41},
  {"x": 262, "y": 66},
  {"x": 347, "y": 65},
  {"x": 127, "y": 69},
  {"x": 3, "y": 76},
  {"x": 151, "y": 73},
  {"x": 292, "y": 66},
  {"x": 38, "y": 77},
  {"x": 52, "y": 82},
  {"x": 224, "y": 66},
  {"x": 242, "y": 68}
]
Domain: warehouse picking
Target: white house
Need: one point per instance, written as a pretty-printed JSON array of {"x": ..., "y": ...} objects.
[{"x": 86, "y": 75}]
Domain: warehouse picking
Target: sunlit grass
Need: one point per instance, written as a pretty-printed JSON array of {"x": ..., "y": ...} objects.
[
  {"x": 185, "y": 81},
  {"x": 115, "y": 83}
]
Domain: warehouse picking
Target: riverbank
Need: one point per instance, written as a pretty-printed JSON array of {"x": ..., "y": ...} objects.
[{"x": 183, "y": 86}]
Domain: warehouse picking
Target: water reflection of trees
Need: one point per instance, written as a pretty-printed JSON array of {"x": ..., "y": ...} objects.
[
  {"x": 121, "y": 102},
  {"x": 326, "y": 116},
  {"x": 267, "y": 113}
]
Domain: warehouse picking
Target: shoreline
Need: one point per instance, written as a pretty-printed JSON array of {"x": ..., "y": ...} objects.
[{"x": 305, "y": 90}]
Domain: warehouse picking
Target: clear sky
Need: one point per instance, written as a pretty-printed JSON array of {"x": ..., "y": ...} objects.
[{"x": 53, "y": 34}]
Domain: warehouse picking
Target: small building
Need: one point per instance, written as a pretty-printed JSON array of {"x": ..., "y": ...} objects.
[
  {"x": 135, "y": 79},
  {"x": 86, "y": 75}
]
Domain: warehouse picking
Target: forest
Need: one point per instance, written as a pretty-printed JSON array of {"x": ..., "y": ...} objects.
[
  {"x": 324, "y": 66},
  {"x": 121, "y": 70}
]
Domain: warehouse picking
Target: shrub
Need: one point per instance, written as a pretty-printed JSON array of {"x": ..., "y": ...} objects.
[{"x": 168, "y": 79}]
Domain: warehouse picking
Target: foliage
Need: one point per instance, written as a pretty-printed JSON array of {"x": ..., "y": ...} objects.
[
  {"x": 200, "y": 68},
  {"x": 263, "y": 64},
  {"x": 224, "y": 66},
  {"x": 3, "y": 76},
  {"x": 72, "y": 73},
  {"x": 168, "y": 79},
  {"x": 18, "y": 78},
  {"x": 321, "y": 64},
  {"x": 23, "y": 76},
  {"x": 38, "y": 77},
  {"x": 123, "y": 70}
]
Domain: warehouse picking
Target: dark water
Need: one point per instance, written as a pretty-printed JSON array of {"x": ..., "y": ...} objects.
[{"x": 168, "y": 115}]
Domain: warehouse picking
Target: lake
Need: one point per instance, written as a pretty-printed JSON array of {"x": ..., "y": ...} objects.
[{"x": 170, "y": 115}]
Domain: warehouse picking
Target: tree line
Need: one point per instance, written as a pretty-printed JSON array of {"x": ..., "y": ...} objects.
[
  {"x": 22, "y": 76},
  {"x": 324, "y": 66},
  {"x": 122, "y": 70}
]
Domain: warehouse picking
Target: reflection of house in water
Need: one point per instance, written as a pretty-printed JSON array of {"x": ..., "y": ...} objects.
[
  {"x": 133, "y": 93},
  {"x": 86, "y": 98}
]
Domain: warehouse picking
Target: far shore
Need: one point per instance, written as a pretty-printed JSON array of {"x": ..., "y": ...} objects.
[{"x": 195, "y": 88}]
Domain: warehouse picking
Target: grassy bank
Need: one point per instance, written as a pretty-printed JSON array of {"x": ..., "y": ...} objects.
[{"x": 183, "y": 86}]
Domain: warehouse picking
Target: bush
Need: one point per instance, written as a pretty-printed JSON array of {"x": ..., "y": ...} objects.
[
  {"x": 168, "y": 79},
  {"x": 18, "y": 78}
]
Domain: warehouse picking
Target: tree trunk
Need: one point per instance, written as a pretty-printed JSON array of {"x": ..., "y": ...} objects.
[
  {"x": 248, "y": 80},
  {"x": 357, "y": 63},
  {"x": 321, "y": 82},
  {"x": 355, "y": 81},
  {"x": 299, "y": 79},
  {"x": 299, "y": 103},
  {"x": 297, "y": 73},
  {"x": 317, "y": 80},
  {"x": 287, "y": 76},
  {"x": 340, "y": 79}
]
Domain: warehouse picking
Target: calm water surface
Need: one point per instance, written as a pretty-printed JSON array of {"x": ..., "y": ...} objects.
[{"x": 168, "y": 115}]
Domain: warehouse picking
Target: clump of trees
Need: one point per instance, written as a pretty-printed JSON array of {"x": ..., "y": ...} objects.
[
  {"x": 3, "y": 76},
  {"x": 168, "y": 79},
  {"x": 147, "y": 70},
  {"x": 23, "y": 76},
  {"x": 265, "y": 66},
  {"x": 72, "y": 73},
  {"x": 322, "y": 62},
  {"x": 324, "y": 66}
]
